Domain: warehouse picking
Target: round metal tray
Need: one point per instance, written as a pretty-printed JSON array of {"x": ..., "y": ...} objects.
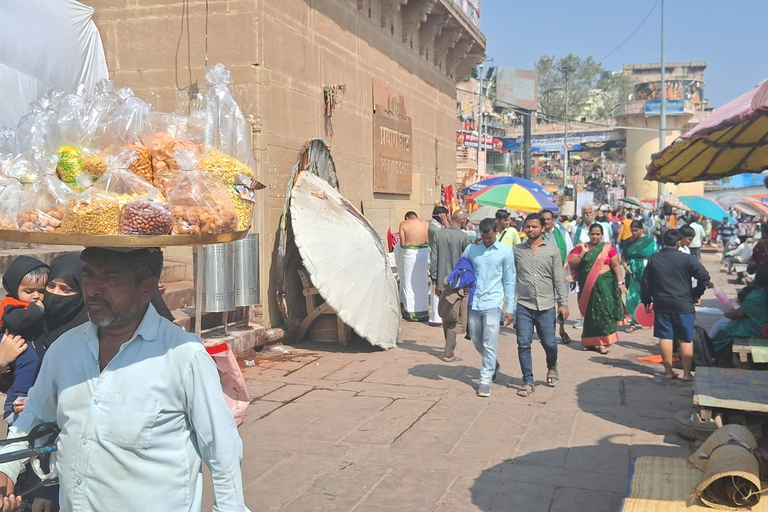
[{"x": 28, "y": 237}]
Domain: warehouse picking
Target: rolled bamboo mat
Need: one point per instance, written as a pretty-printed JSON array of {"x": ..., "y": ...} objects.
[{"x": 731, "y": 473}]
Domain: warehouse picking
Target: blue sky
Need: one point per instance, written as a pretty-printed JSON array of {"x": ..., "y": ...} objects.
[{"x": 729, "y": 34}]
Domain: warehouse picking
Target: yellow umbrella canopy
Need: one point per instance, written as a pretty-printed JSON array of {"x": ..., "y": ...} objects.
[{"x": 733, "y": 140}]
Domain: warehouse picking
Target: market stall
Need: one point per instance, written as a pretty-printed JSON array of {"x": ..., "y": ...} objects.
[{"x": 104, "y": 168}]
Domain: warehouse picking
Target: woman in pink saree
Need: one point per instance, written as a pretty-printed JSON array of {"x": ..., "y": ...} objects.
[{"x": 597, "y": 269}]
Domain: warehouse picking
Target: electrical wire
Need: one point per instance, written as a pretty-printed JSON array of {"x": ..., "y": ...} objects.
[
  {"x": 631, "y": 34},
  {"x": 184, "y": 16}
]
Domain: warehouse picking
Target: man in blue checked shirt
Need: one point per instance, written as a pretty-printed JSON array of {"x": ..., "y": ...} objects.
[{"x": 494, "y": 267}]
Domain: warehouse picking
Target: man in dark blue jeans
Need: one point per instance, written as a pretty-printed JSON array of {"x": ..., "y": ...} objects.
[
  {"x": 540, "y": 279},
  {"x": 667, "y": 283}
]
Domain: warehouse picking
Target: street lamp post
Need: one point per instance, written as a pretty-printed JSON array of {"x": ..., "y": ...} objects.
[
  {"x": 479, "y": 114},
  {"x": 566, "y": 70},
  {"x": 481, "y": 98},
  {"x": 663, "y": 107}
]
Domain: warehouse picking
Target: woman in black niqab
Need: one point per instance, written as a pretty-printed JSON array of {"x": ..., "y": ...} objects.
[{"x": 62, "y": 312}]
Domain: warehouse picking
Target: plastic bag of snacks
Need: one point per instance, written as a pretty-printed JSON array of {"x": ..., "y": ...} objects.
[
  {"x": 33, "y": 130},
  {"x": 236, "y": 175},
  {"x": 20, "y": 167},
  {"x": 66, "y": 127},
  {"x": 99, "y": 111},
  {"x": 71, "y": 167},
  {"x": 146, "y": 217},
  {"x": 43, "y": 204},
  {"x": 7, "y": 142},
  {"x": 199, "y": 201},
  {"x": 227, "y": 128},
  {"x": 165, "y": 134},
  {"x": 127, "y": 121},
  {"x": 10, "y": 197},
  {"x": 94, "y": 164},
  {"x": 120, "y": 181},
  {"x": 93, "y": 212}
]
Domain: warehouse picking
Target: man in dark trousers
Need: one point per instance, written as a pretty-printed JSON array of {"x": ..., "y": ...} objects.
[
  {"x": 444, "y": 253},
  {"x": 667, "y": 284}
]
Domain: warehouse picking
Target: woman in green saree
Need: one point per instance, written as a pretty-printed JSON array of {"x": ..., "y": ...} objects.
[
  {"x": 596, "y": 264},
  {"x": 635, "y": 253},
  {"x": 749, "y": 321}
]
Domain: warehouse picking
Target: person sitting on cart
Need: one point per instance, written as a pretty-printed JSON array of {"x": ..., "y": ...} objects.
[{"x": 137, "y": 399}]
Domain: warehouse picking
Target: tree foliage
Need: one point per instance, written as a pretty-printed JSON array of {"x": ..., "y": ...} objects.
[
  {"x": 614, "y": 89},
  {"x": 582, "y": 78},
  {"x": 592, "y": 92}
]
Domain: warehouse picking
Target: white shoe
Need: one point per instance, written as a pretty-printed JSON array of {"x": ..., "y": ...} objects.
[{"x": 579, "y": 324}]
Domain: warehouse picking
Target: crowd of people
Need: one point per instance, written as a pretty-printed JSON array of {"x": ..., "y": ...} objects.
[{"x": 518, "y": 272}]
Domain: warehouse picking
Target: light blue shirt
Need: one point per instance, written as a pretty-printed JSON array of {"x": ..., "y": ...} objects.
[
  {"x": 132, "y": 436},
  {"x": 495, "y": 277}
]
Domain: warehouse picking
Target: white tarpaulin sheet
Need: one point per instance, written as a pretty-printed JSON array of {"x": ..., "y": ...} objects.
[{"x": 45, "y": 43}]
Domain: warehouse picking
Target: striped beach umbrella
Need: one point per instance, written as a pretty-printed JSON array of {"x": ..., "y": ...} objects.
[{"x": 514, "y": 197}]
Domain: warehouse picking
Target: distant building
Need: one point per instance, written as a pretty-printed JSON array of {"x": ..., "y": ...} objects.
[{"x": 685, "y": 82}]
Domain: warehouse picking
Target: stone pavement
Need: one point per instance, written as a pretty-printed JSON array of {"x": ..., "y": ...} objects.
[{"x": 333, "y": 429}]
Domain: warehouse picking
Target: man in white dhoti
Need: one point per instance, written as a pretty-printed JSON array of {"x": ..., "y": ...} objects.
[{"x": 412, "y": 254}]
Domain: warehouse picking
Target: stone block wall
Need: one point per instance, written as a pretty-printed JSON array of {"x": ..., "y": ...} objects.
[{"x": 282, "y": 53}]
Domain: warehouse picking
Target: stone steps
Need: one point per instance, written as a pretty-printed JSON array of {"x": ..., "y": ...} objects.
[{"x": 179, "y": 294}]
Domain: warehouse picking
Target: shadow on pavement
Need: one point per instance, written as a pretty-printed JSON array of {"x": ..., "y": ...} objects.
[
  {"x": 463, "y": 373},
  {"x": 628, "y": 364},
  {"x": 637, "y": 402},
  {"x": 576, "y": 479},
  {"x": 416, "y": 347}
]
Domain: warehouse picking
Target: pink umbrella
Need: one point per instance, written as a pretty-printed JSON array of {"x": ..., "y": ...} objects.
[{"x": 733, "y": 140}]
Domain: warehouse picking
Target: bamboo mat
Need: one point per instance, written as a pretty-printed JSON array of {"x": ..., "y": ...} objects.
[{"x": 662, "y": 484}]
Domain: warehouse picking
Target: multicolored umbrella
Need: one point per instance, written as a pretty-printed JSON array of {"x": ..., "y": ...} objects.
[
  {"x": 706, "y": 207},
  {"x": 733, "y": 140},
  {"x": 514, "y": 197},
  {"x": 506, "y": 180}
]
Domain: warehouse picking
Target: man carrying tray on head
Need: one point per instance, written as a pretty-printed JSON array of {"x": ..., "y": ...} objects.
[{"x": 138, "y": 401}]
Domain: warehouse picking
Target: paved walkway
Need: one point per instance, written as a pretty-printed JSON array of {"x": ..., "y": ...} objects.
[{"x": 334, "y": 429}]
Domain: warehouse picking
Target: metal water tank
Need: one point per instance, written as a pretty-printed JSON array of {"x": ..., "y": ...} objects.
[
  {"x": 216, "y": 263},
  {"x": 247, "y": 270}
]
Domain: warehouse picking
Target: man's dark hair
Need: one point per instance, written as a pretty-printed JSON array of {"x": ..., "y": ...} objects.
[
  {"x": 629, "y": 215},
  {"x": 671, "y": 237},
  {"x": 542, "y": 212},
  {"x": 598, "y": 226},
  {"x": 143, "y": 263},
  {"x": 487, "y": 225},
  {"x": 439, "y": 210},
  {"x": 686, "y": 231},
  {"x": 502, "y": 214},
  {"x": 533, "y": 216},
  {"x": 408, "y": 215},
  {"x": 637, "y": 224}
]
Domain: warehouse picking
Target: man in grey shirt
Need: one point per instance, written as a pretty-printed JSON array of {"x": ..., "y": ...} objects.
[
  {"x": 540, "y": 279},
  {"x": 444, "y": 253}
]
